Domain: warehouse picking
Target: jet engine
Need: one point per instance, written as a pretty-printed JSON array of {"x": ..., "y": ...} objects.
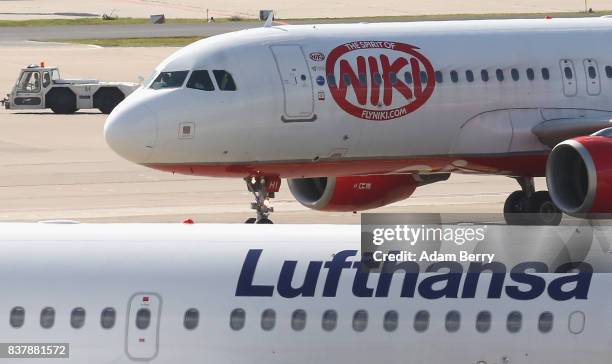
[
  {"x": 579, "y": 174},
  {"x": 357, "y": 193}
]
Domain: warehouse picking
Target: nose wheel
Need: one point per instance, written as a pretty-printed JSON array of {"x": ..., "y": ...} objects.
[
  {"x": 263, "y": 189},
  {"x": 528, "y": 207}
]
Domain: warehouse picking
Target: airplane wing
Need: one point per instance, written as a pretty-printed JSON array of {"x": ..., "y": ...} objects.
[{"x": 552, "y": 132}]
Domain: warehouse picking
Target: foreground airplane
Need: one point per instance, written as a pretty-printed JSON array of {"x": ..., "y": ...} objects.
[
  {"x": 283, "y": 294},
  {"x": 357, "y": 116}
]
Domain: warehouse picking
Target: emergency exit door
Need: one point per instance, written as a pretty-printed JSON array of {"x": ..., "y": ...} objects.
[
  {"x": 591, "y": 71},
  {"x": 568, "y": 74},
  {"x": 297, "y": 83},
  {"x": 142, "y": 336}
]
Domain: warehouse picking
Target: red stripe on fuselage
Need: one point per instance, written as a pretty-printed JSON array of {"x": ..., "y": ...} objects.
[{"x": 529, "y": 165}]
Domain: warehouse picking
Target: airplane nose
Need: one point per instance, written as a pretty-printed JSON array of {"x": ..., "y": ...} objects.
[{"x": 131, "y": 131}]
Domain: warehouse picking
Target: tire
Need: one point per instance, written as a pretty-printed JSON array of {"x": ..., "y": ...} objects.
[
  {"x": 107, "y": 98},
  {"x": 515, "y": 208},
  {"x": 543, "y": 210},
  {"x": 250, "y": 220},
  {"x": 61, "y": 100},
  {"x": 264, "y": 221}
]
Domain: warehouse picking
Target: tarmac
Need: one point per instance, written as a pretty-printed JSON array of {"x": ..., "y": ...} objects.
[
  {"x": 59, "y": 166},
  {"x": 33, "y": 33}
]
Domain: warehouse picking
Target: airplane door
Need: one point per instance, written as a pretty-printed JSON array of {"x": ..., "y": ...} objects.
[
  {"x": 142, "y": 334},
  {"x": 568, "y": 74},
  {"x": 296, "y": 81},
  {"x": 592, "y": 77}
]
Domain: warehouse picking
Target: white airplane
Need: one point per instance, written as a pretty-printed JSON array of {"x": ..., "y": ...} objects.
[
  {"x": 159, "y": 293},
  {"x": 357, "y": 116}
]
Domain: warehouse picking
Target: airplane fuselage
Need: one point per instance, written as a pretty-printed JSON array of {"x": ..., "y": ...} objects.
[
  {"x": 254, "y": 294},
  {"x": 337, "y": 100}
]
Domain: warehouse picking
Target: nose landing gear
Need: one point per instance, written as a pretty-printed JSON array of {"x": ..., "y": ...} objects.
[
  {"x": 263, "y": 188},
  {"x": 528, "y": 207}
]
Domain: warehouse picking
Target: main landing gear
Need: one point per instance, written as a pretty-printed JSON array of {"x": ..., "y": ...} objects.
[
  {"x": 528, "y": 207},
  {"x": 263, "y": 188}
]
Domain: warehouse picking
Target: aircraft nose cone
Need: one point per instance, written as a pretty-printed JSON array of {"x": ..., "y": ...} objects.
[{"x": 131, "y": 131}]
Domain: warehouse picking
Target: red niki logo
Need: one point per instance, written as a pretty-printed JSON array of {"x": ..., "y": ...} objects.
[{"x": 382, "y": 68}]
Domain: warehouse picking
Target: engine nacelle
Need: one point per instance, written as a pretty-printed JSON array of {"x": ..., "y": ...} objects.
[
  {"x": 357, "y": 193},
  {"x": 579, "y": 174}
]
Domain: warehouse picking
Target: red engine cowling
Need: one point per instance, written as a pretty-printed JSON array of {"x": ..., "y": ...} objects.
[
  {"x": 579, "y": 174},
  {"x": 357, "y": 193}
]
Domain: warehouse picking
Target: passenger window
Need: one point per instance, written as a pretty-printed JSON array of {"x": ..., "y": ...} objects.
[
  {"x": 483, "y": 321},
  {"x": 469, "y": 76},
  {"x": 609, "y": 71},
  {"x": 268, "y": 319},
  {"x": 514, "y": 322},
  {"x": 17, "y": 317},
  {"x": 454, "y": 76},
  {"x": 169, "y": 80},
  {"x": 568, "y": 73},
  {"x": 515, "y": 74},
  {"x": 576, "y": 322},
  {"x": 200, "y": 80},
  {"x": 530, "y": 74},
  {"x": 424, "y": 78},
  {"x": 393, "y": 78},
  {"x": 378, "y": 78},
  {"x": 421, "y": 321},
  {"x": 298, "y": 320},
  {"x": 225, "y": 81},
  {"x": 47, "y": 317},
  {"x": 592, "y": 72},
  {"x": 499, "y": 74},
  {"x": 390, "y": 321},
  {"x": 143, "y": 318},
  {"x": 237, "y": 318},
  {"x": 330, "y": 318},
  {"x": 107, "y": 318},
  {"x": 408, "y": 77},
  {"x": 545, "y": 74},
  {"x": 360, "y": 320},
  {"x": 345, "y": 77},
  {"x": 453, "y": 321},
  {"x": 331, "y": 80},
  {"x": 439, "y": 77},
  {"x": 77, "y": 318},
  {"x": 484, "y": 75},
  {"x": 191, "y": 319},
  {"x": 545, "y": 323},
  {"x": 363, "y": 79}
]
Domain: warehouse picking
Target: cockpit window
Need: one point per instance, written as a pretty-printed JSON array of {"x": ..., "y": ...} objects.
[
  {"x": 169, "y": 80},
  {"x": 225, "y": 81},
  {"x": 200, "y": 80}
]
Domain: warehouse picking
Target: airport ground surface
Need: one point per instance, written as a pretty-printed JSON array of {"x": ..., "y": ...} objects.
[{"x": 59, "y": 167}]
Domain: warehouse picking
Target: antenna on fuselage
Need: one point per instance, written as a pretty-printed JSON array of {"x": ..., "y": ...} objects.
[{"x": 269, "y": 20}]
